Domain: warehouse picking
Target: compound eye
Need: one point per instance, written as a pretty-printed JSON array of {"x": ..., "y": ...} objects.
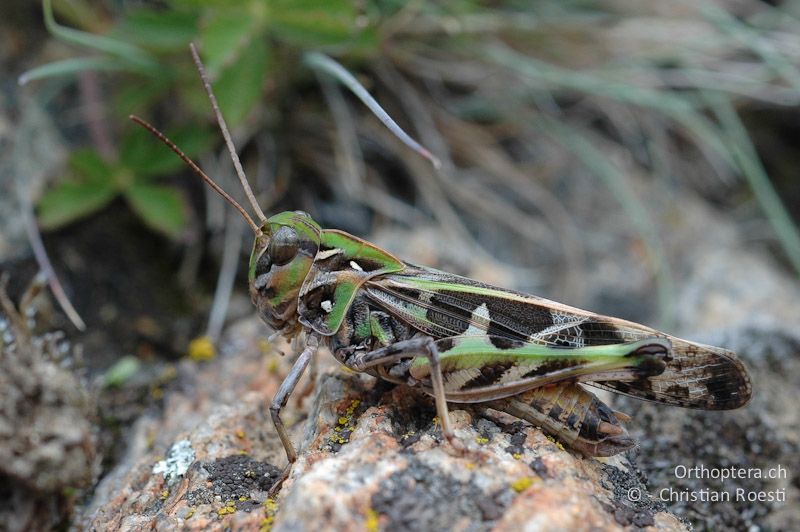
[{"x": 283, "y": 246}]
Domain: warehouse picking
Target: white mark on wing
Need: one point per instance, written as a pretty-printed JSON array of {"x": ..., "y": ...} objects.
[
  {"x": 355, "y": 266},
  {"x": 326, "y": 305},
  {"x": 328, "y": 253},
  {"x": 479, "y": 321}
]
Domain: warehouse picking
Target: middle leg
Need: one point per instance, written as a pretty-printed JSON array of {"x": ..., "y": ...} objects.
[{"x": 420, "y": 345}]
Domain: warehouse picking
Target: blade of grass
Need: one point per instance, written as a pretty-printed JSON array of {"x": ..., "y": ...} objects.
[
  {"x": 40, "y": 253},
  {"x": 754, "y": 41},
  {"x": 322, "y": 63},
  {"x": 680, "y": 108},
  {"x": 227, "y": 275},
  {"x": 744, "y": 153},
  {"x": 613, "y": 178},
  {"x": 72, "y": 66},
  {"x": 132, "y": 54}
]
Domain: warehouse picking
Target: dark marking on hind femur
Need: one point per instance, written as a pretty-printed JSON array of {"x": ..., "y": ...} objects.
[
  {"x": 653, "y": 350},
  {"x": 505, "y": 343},
  {"x": 490, "y": 374},
  {"x": 551, "y": 366},
  {"x": 445, "y": 344},
  {"x": 651, "y": 366}
]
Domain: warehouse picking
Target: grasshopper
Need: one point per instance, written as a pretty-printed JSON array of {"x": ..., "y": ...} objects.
[{"x": 460, "y": 340}]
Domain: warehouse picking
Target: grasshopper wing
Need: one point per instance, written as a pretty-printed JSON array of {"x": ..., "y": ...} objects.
[{"x": 443, "y": 305}]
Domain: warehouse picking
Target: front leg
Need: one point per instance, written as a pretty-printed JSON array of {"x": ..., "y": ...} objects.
[
  {"x": 420, "y": 345},
  {"x": 287, "y": 386}
]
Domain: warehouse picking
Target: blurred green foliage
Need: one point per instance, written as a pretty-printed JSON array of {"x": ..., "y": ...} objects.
[
  {"x": 238, "y": 42},
  {"x": 93, "y": 182},
  {"x": 565, "y": 71}
]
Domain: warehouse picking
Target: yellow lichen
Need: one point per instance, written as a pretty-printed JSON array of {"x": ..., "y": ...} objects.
[
  {"x": 202, "y": 349},
  {"x": 240, "y": 434},
  {"x": 164, "y": 495},
  {"x": 372, "y": 524},
  {"x": 273, "y": 364},
  {"x": 243, "y": 499},
  {"x": 556, "y": 442},
  {"x": 517, "y": 456},
  {"x": 470, "y": 465},
  {"x": 407, "y": 435},
  {"x": 271, "y": 508},
  {"x": 481, "y": 440},
  {"x": 521, "y": 484},
  {"x": 169, "y": 373},
  {"x": 270, "y": 505},
  {"x": 344, "y": 423},
  {"x": 264, "y": 346},
  {"x": 190, "y": 513},
  {"x": 151, "y": 439}
]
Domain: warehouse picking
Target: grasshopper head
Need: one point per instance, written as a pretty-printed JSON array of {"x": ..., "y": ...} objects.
[{"x": 283, "y": 253}]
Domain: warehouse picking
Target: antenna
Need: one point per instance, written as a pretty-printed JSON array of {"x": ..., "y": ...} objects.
[
  {"x": 221, "y": 121},
  {"x": 171, "y": 145}
]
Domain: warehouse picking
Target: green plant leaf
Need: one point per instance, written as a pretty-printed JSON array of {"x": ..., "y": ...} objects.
[
  {"x": 91, "y": 189},
  {"x": 240, "y": 86},
  {"x": 225, "y": 36},
  {"x": 136, "y": 97},
  {"x": 160, "y": 29},
  {"x": 161, "y": 208},
  {"x": 122, "y": 371},
  {"x": 310, "y": 23},
  {"x": 88, "y": 164},
  {"x": 146, "y": 156}
]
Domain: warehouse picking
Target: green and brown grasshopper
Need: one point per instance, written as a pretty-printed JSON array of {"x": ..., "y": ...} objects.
[{"x": 463, "y": 341}]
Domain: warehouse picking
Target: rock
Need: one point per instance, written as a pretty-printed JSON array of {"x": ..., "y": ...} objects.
[
  {"x": 372, "y": 458},
  {"x": 371, "y": 455},
  {"x": 47, "y": 439},
  {"x": 394, "y": 472},
  {"x": 757, "y": 319}
]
